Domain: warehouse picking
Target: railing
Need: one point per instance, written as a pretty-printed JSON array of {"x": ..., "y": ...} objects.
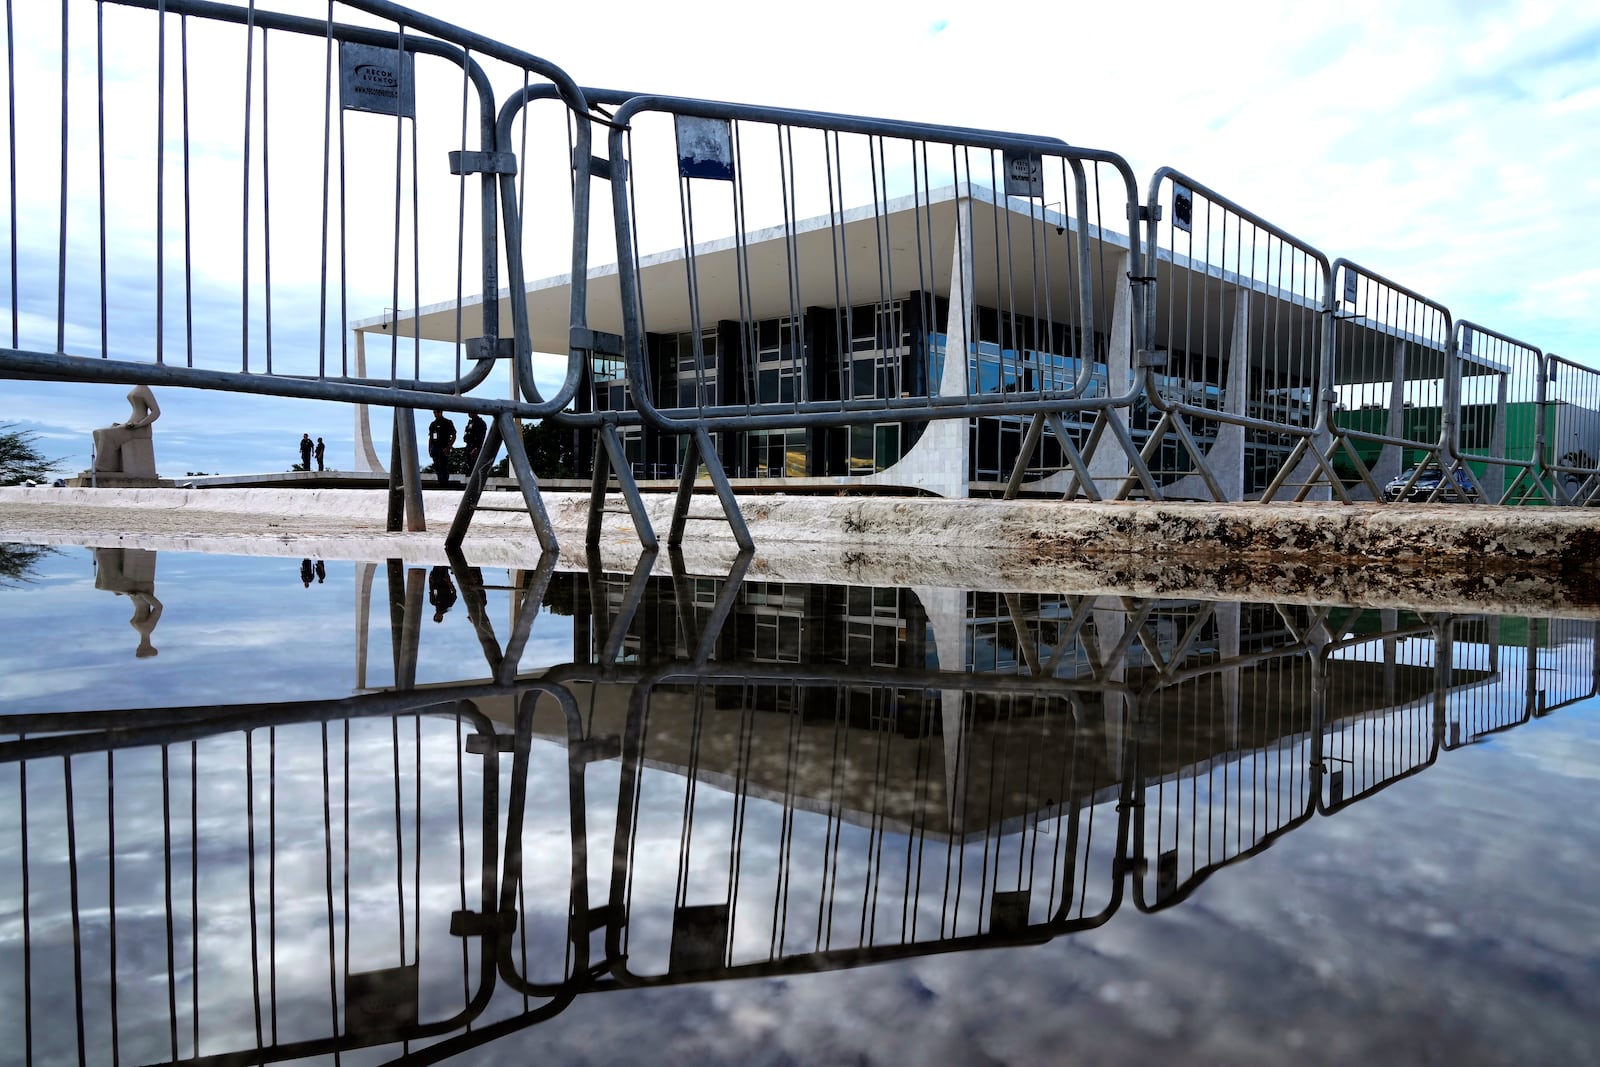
[
  {"x": 1390, "y": 349},
  {"x": 1234, "y": 345},
  {"x": 859, "y": 300}
]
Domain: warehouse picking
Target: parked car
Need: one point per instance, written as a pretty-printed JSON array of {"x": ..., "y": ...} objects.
[{"x": 1422, "y": 486}]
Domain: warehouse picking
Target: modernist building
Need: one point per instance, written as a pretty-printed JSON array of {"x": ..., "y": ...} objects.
[{"x": 868, "y": 305}]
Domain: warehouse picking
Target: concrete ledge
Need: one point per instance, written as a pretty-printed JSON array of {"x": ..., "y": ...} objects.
[{"x": 1443, "y": 557}]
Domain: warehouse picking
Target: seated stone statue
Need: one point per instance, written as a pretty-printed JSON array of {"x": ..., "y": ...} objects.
[{"x": 126, "y": 447}]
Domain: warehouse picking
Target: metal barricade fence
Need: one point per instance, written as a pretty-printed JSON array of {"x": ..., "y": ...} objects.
[
  {"x": 364, "y": 158},
  {"x": 1233, "y": 376},
  {"x": 1225, "y": 747},
  {"x": 1563, "y": 663},
  {"x": 1572, "y": 429},
  {"x": 221, "y": 221},
  {"x": 223, "y": 826},
  {"x": 872, "y": 286},
  {"x": 1386, "y": 685},
  {"x": 1491, "y": 693},
  {"x": 910, "y": 816},
  {"x": 1496, "y": 415},
  {"x": 1389, "y": 363},
  {"x": 798, "y": 294}
]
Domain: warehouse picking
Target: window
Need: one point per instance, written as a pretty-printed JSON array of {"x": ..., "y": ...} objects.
[{"x": 695, "y": 373}]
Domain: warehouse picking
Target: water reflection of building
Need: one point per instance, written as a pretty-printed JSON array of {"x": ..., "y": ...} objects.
[{"x": 453, "y": 863}]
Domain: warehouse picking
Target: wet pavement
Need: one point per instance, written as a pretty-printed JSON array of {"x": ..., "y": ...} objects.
[{"x": 306, "y": 810}]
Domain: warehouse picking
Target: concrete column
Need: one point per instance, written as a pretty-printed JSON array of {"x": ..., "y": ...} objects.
[
  {"x": 1225, "y": 459},
  {"x": 1228, "y": 616},
  {"x": 947, "y": 618},
  {"x": 1110, "y": 623},
  {"x": 1388, "y": 466},
  {"x": 366, "y": 460},
  {"x": 1108, "y": 463},
  {"x": 364, "y": 573},
  {"x": 941, "y": 458},
  {"x": 1389, "y": 619}
]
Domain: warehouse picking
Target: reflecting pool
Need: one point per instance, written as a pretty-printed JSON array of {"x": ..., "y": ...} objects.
[{"x": 266, "y": 810}]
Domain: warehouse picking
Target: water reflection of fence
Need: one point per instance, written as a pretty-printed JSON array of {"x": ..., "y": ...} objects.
[
  {"x": 268, "y": 882},
  {"x": 798, "y": 294}
]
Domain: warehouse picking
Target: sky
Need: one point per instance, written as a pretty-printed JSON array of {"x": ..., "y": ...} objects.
[{"x": 1447, "y": 146}]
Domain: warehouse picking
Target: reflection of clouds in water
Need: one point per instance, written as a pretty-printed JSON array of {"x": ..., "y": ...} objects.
[
  {"x": 233, "y": 629},
  {"x": 1444, "y": 917},
  {"x": 291, "y": 895},
  {"x": 1403, "y": 928},
  {"x": 1561, "y": 745}
]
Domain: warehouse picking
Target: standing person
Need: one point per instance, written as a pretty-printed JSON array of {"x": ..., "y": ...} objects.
[
  {"x": 319, "y": 452},
  {"x": 305, "y": 451},
  {"x": 477, "y": 429},
  {"x": 441, "y": 435}
]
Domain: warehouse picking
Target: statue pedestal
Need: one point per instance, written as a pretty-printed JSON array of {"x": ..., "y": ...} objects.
[
  {"x": 112, "y": 480},
  {"x": 125, "y": 570}
]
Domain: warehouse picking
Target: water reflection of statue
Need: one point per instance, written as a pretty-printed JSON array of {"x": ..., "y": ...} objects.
[
  {"x": 126, "y": 447},
  {"x": 131, "y": 572},
  {"x": 146, "y": 613}
]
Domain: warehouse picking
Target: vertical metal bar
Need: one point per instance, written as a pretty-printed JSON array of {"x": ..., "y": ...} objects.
[
  {"x": 61, "y": 251},
  {"x": 266, "y": 201},
  {"x": 272, "y": 797},
  {"x": 100, "y": 156},
  {"x": 327, "y": 161},
  {"x": 244, "y": 215},
  {"x": 188, "y": 226},
  {"x": 72, "y": 891},
  {"x": 327, "y": 882},
  {"x": 166, "y": 841},
  {"x": 11, "y": 146},
  {"x": 161, "y": 181},
  {"x": 111, "y": 907},
  {"x": 250, "y": 874}
]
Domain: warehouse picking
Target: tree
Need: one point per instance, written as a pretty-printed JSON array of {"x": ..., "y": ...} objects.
[
  {"x": 552, "y": 450},
  {"x": 20, "y": 458}
]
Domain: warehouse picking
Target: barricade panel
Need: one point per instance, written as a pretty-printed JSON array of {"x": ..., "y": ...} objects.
[
  {"x": 1501, "y": 421},
  {"x": 1233, "y": 336},
  {"x": 814, "y": 289},
  {"x": 905, "y": 822},
  {"x": 229, "y": 198},
  {"x": 1386, "y": 692},
  {"x": 1225, "y": 756},
  {"x": 1572, "y": 429},
  {"x": 296, "y": 924},
  {"x": 1389, "y": 359}
]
